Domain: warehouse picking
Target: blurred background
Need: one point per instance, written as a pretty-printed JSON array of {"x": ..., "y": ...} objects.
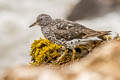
[{"x": 16, "y": 16}]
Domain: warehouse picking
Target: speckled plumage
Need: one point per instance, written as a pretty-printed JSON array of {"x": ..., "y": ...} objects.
[{"x": 63, "y": 32}]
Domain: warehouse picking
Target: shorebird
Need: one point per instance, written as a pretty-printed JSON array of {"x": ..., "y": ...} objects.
[{"x": 66, "y": 33}]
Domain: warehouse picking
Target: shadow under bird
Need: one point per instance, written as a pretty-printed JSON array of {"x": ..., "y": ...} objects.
[{"x": 63, "y": 32}]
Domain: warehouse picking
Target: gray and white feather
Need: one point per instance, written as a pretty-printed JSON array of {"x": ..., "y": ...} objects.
[{"x": 66, "y": 33}]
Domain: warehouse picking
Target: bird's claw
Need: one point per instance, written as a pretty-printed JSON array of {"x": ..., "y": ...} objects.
[
  {"x": 61, "y": 57},
  {"x": 74, "y": 54}
]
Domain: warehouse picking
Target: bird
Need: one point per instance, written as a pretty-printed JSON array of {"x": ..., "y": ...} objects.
[{"x": 66, "y": 33}]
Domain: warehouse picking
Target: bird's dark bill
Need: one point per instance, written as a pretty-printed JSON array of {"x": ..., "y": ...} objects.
[{"x": 34, "y": 24}]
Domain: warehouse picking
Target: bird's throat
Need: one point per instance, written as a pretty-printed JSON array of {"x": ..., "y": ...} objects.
[{"x": 46, "y": 32}]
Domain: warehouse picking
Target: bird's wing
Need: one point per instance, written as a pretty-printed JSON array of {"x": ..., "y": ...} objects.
[
  {"x": 71, "y": 30},
  {"x": 65, "y": 25}
]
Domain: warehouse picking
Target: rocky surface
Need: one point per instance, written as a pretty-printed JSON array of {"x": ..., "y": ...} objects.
[{"x": 101, "y": 64}]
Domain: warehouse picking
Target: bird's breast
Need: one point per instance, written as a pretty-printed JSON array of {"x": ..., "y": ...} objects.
[{"x": 48, "y": 33}]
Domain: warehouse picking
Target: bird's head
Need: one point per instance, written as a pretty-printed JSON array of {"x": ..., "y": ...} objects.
[{"x": 42, "y": 20}]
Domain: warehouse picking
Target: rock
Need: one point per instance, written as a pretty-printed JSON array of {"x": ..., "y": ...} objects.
[
  {"x": 89, "y": 9},
  {"x": 102, "y": 63}
]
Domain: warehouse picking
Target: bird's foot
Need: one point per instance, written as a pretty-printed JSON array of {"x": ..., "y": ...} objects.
[
  {"x": 63, "y": 48},
  {"x": 64, "y": 53},
  {"x": 74, "y": 54}
]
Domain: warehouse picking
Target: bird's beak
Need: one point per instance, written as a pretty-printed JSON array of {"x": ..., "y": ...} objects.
[{"x": 34, "y": 24}]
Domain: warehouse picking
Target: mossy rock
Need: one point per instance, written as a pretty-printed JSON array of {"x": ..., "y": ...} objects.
[{"x": 45, "y": 52}]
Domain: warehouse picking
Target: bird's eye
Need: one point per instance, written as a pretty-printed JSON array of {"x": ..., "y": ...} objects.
[{"x": 41, "y": 19}]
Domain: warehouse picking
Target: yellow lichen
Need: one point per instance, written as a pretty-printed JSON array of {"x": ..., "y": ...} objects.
[{"x": 45, "y": 52}]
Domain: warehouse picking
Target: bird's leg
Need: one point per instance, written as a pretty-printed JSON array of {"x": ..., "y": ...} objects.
[
  {"x": 64, "y": 53},
  {"x": 74, "y": 54}
]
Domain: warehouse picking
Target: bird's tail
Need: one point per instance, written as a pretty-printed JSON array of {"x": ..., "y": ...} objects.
[{"x": 104, "y": 32}]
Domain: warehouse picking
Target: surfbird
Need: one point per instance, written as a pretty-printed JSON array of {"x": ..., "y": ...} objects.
[{"x": 66, "y": 33}]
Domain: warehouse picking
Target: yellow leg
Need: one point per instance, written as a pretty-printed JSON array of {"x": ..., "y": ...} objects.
[
  {"x": 65, "y": 52},
  {"x": 74, "y": 54}
]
